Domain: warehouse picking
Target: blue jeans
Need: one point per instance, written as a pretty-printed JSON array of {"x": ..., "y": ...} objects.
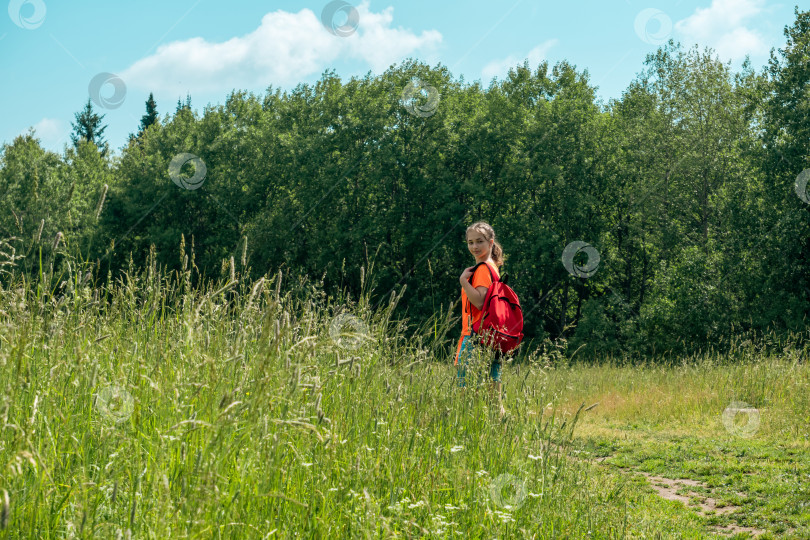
[{"x": 468, "y": 348}]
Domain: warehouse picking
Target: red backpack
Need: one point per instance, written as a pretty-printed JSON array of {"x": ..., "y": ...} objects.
[{"x": 501, "y": 322}]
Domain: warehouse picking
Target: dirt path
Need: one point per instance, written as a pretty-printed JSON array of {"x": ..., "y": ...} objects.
[{"x": 668, "y": 489}]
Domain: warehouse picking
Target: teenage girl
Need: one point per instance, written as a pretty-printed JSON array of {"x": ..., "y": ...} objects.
[{"x": 485, "y": 249}]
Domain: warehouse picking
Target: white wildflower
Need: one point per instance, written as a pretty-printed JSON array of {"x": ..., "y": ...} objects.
[
  {"x": 505, "y": 517},
  {"x": 397, "y": 507},
  {"x": 441, "y": 524}
]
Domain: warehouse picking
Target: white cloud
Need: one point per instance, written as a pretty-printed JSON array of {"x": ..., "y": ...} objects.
[
  {"x": 722, "y": 27},
  {"x": 283, "y": 50},
  {"x": 51, "y": 132},
  {"x": 739, "y": 42},
  {"x": 501, "y": 67}
]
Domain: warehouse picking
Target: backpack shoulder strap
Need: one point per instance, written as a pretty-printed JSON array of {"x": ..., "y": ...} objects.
[{"x": 491, "y": 275}]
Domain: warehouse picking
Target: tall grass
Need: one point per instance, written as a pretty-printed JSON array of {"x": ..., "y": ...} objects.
[
  {"x": 144, "y": 407},
  {"x": 691, "y": 396}
]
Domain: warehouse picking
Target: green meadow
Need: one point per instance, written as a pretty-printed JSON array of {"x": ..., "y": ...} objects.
[
  {"x": 267, "y": 409},
  {"x": 151, "y": 394}
]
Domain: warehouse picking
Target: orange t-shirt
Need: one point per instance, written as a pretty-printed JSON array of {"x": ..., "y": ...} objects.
[{"x": 481, "y": 278}]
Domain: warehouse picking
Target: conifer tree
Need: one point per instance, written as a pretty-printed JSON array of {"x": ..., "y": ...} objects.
[
  {"x": 181, "y": 105},
  {"x": 151, "y": 115},
  {"x": 88, "y": 127}
]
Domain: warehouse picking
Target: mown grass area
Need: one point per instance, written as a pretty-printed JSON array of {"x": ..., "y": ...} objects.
[
  {"x": 269, "y": 410},
  {"x": 668, "y": 421}
]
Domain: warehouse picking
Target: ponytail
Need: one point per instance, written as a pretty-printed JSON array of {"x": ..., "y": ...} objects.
[{"x": 497, "y": 254}]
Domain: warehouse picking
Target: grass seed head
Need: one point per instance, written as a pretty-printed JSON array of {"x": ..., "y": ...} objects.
[
  {"x": 4, "y": 512},
  {"x": 101, "y": 200},
  {"x": 56, "y": 241}
]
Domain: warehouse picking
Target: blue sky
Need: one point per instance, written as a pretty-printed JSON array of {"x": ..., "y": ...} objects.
[{"x": 51, "y": 51}]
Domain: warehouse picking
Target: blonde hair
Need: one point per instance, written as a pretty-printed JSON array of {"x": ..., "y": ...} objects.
[{"x": 489, "y": 234}]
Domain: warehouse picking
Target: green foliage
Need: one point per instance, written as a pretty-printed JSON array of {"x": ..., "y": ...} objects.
[
  {"x": 151, "y": 115},
  {"x": 596, "y": 333},
  {"x": 685, "y": 186},
  {"x": 88, "y": 128},
  {"x": 145, "y": 408}
]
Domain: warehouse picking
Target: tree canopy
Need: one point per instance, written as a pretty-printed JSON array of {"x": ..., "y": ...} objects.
[{"x": 686, "y": 187}]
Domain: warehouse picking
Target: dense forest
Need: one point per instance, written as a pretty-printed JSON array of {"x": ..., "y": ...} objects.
[{"x": 667, "y": 220}]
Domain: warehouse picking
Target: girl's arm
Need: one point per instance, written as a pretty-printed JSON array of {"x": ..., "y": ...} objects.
[{"x": 475, "y": 294}]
